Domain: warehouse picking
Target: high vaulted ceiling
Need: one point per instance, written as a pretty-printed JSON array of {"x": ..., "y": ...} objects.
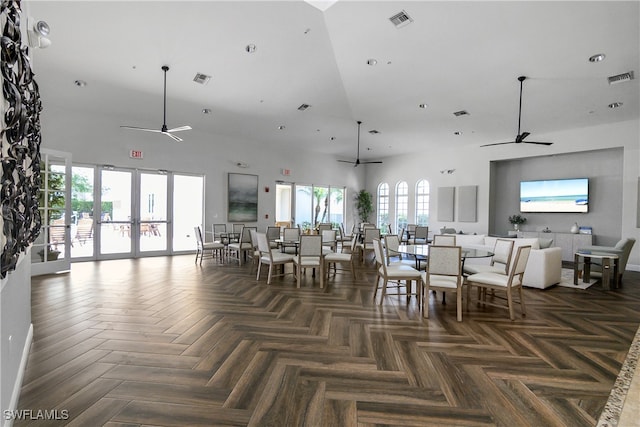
[{"x": 453, "y": 56}]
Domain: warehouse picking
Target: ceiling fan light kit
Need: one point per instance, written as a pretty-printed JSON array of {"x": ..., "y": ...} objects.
[
  {"x": 520, "y": 136},
  {"x": 358, "y": 162},
  {"x": 163, "y": 130}
]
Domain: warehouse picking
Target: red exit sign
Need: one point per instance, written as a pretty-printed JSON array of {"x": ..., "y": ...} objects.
[{"x": 135, "y": 154}]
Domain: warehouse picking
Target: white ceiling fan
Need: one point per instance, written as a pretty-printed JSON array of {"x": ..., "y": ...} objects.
[
  {"x": 358, "y": 162},
  {"x": 163, "y": 130}
]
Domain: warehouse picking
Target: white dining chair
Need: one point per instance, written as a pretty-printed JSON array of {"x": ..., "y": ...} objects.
[
  {"x": 271, "y": 258},
  {"x": 395, "y": 274},
  {"x": 444, "y": 273},
  {"x": 309, "y": 256}
]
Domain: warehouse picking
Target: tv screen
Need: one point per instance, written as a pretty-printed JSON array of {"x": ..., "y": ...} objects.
[{"x": 555, "y": 195}]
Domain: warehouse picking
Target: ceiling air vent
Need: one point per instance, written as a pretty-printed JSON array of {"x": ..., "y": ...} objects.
[
  {"x": 624, "y": 77},
  {"x": 203, "y": 79},
  {"x": 401, "y": 19},
  {"x": 374, "y": 132},
  {"x": 303, "y": 107},
  {"x": 461, "y": 113}
]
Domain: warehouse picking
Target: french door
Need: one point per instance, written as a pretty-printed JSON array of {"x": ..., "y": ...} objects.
[{"x": 134, "y": 217}]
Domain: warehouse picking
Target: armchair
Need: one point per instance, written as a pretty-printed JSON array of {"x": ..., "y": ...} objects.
[{"x": 622, "y": 249}]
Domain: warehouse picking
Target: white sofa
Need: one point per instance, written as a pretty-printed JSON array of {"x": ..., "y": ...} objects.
[{"x": 544, "y": 267}]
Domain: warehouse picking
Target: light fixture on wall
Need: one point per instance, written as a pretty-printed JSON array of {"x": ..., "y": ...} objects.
[{"x": 37, "y": 33}]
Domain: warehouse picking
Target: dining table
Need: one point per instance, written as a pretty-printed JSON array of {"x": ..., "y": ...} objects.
[{"x": 420, "y": 253}]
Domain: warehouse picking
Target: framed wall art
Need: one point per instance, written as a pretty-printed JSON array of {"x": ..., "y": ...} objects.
[{"x": 242, "y": 195}]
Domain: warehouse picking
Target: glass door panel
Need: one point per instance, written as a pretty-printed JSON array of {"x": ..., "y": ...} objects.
[
  {"x": 82, "y": 218},
  {"x": 284, "y": 203},
  {"x": 303, "y": 203},
  {"x": 153, "y": 212},
  {"x": 336, "y": 206},
  {"x": 51, "y": 250},
  {"x": 320, "y": 205},
  {"x": 188, "y": 208},
  {"x": 116, "y": 225}
]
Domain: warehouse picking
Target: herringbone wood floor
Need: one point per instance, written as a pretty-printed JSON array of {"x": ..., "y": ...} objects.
[{"x": 163, "y": 342}]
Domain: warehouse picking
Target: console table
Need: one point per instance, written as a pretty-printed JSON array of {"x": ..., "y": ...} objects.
[{"x": 568, "y": 242}]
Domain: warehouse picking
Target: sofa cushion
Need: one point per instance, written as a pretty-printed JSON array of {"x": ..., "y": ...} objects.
[
  {"x": 534, "y": 242},
  {"x": 545, "y": 243}
]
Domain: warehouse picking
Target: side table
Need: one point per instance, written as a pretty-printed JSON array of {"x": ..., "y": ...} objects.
[{"x": 605, "y": 258}]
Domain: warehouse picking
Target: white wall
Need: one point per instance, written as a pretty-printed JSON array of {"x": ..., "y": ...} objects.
[
  {"x": 472, "y": 167},
  {"x": 99, "y": 140}
]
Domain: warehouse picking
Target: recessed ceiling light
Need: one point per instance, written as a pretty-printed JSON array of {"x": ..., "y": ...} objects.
[
  {"x": 597, "y": 57},
  {"x": 423, "y": 106},
  {"x": 457, "y": 132},
  {"x": 372, "y": 62},
  {"x": 615, "y": 105},
  {"x": 281, "y": 127},
  {"x": 80, "y": 83},
  {"x": 303, "y": 107},
  {"x": 461, "y": 113},
  {"x": 206, "y": 111},
  {"x": 333, "y": 138},
  {"x": 250, "y": 48}
]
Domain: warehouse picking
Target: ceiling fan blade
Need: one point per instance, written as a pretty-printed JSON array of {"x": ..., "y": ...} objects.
[
  {"x": 539, "y": 143},
  {"x": 142, "y": 129},
  {"x": 347, "y": 161},
  {"x": 369, "y": 163},
  {"x": 172, "y": 136},
  {"x": 498, "y": 143},
  {"x": 180, "y": 128}
]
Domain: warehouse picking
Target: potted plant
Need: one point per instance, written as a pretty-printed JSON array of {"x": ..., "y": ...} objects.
[
  {"x": 364, "y": 204},
  {"x": 516, "y": 220}
]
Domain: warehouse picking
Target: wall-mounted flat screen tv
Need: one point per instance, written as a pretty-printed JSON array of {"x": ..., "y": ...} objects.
[{"x": 555, "y": 195}]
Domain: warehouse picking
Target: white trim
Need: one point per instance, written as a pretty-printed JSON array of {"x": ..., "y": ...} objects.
[{"x": 17, "y": 386}]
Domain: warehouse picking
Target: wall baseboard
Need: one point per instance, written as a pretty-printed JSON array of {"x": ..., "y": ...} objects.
[{"x": 17, "y": 386}]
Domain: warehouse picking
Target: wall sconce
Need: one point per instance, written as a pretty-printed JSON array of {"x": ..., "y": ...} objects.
[{"x": 37, "y": 33}]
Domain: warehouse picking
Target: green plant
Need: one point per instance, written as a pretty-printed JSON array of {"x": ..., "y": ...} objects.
[
  {"x": 517, "y": 219},
  {"x": 364, "y": 205}
]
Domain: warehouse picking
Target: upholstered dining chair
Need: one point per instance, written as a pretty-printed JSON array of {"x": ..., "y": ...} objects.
[
  {"x": 392, "y": 256},
  {"x": 273, "y": 233},
  {"x": 367, "y": 243},
  {"x": 271, "y": 258},
  {"x": 444, "y": 273},
  {"x": 290, "y": 238},
  {"x": 329, "y": 241},
  {"x": 309, "y": 256},
  {"x": 215, "y": 248},
  {"x": 219, "y": 232},
  {"x": 444, "y": 240},
  {"x": 395, "y": 274},
  {"x": 334, "y": 259},
  {"x": 420, "y": 235},
  {"x": 501, "y": 282},
  {"x": 242, "y": 247}
]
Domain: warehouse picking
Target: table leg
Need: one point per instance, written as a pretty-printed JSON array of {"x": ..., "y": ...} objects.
[
  {"x": 606, "y": 270},
  {"x": 586, "y": 277},
  {"x": 576, "y": 261}
]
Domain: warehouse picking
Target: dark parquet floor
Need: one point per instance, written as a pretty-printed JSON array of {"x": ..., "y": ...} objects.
[{"x": 163, "y": 342}]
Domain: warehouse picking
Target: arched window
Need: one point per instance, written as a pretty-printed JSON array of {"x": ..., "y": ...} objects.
[
  {"x": 422, "y": 202},
  {"x": 383, "y": 205},
  {"x": 402, "y": 205}
]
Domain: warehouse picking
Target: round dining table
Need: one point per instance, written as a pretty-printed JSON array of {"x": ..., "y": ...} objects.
[{"x": 421, "y": 253}]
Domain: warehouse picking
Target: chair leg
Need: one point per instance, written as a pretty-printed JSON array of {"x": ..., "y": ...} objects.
[
  {"x": 270, "y": 272},
  {"x": 425, "y": 302},
  {"x": 510, "y": 303},
  {"x": 524, "y": 310},
  {"x": 459, "y": 303},
  {"x": 384, "y": 290},
  {"x": 375, "y": 287},
  {"x": 258, "y": 275}
]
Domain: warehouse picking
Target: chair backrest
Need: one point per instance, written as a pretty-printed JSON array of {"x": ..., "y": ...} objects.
[
  {"x": 324, "y": 226},
  {"x": 377, "y": 250},
  {"x": 625, "y": 245},
  {"x": 198, "y": 233},
  {"x": 245, "y": 237},
  {"x": 421, "y": 232},
  {"x": 445, "y": 260},
  {"x": 387, "y": 229},
  {"x": 328, "y": 237},
  {"x": 502, "y": 253},
  {"x": 444, "y": 240},
  {"x": 263, "y": 244},
  {"x": 370, "y": 234},
  {"x": 219, "y": 228},
  {"x": 273, "y": 233},
  {"x": 254, "y": 238},
  {"x": 391, "y": 243},
  {"x": 310, "y": 245},
  {"x": 411, "y": 228},
  {"x": 291, "y": 234},
  {"x": 237, "y": 228},
  {"x": 519, "y": 263}
]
